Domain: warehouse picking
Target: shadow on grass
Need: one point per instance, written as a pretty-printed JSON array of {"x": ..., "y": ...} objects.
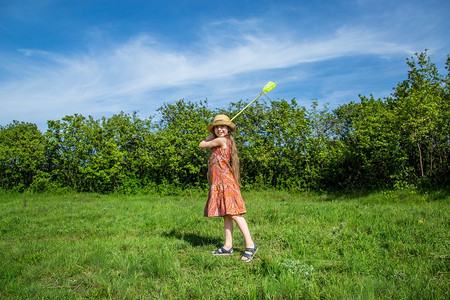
[{"x": 194, "y": 239}]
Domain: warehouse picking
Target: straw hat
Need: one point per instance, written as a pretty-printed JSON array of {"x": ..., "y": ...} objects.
[{"x": 221, "y": 120}]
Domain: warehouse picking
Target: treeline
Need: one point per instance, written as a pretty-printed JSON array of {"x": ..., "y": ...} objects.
[{"x": 374, "y": 143}]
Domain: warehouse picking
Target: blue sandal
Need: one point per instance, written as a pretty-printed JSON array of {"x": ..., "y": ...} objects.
[
  {"x": 222, "y": 251},
  {"x": 249, "y": 256}
]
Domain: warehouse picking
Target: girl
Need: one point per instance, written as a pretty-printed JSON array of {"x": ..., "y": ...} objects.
[{"x": 225, "y": 199}]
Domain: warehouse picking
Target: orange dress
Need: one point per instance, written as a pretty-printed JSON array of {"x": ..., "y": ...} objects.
[{"x": 224, "y": 194}]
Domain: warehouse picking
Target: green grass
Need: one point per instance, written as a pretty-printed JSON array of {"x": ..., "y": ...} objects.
[{"x": 389, "y": 245}]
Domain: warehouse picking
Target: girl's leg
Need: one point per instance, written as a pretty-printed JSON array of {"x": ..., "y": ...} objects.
[
  {"x": 228, "y": 226},
  {"x": 243, "y": 227}
]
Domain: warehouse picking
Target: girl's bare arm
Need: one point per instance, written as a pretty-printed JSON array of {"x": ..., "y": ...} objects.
[{"x": 211, "y": 142}]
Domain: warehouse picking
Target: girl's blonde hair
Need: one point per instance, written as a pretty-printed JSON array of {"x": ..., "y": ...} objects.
[{"x": 234, "y": 159}]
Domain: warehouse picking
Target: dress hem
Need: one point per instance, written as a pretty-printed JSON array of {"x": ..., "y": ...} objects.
[{"x": 225, "y": 215}]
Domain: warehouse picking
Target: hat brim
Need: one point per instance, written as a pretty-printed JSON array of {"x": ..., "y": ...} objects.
[{"x": 211, "y": 126}]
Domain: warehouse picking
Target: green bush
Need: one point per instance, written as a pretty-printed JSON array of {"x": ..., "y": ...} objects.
[{"x": 403, "y": 140}]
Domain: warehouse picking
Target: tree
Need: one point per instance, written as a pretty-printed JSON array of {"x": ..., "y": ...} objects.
[
  {"x": 22, "y": 154},
  {"x": 70, "y": 150},
  {"x": 130, "y": 142},
  {"x": 421, "y": 108},
  {"x": 369, "y": 153},
  {"x": 181, "y": 127}
]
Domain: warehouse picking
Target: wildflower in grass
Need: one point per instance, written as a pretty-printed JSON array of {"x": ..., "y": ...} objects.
[{"x": 296, "y": 267}]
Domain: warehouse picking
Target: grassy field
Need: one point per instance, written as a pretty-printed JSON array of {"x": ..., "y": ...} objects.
[{"x": 387, "y": 245}]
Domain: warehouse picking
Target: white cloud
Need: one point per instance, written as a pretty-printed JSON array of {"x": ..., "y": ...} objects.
[{"x": 42, "y": 85}]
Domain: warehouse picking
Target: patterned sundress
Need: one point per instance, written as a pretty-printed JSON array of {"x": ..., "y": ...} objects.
[{"x": 224, "y": 194}]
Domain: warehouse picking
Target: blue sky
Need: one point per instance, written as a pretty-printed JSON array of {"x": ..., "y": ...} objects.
[{"x": 98, "y": 57}]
